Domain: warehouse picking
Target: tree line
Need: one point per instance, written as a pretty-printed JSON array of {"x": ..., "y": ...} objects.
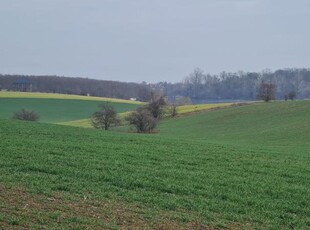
[
  {"x": 200, "y": 87},
  {"x": 197, "y": 86},
  {"x": 80, "y": 86}
]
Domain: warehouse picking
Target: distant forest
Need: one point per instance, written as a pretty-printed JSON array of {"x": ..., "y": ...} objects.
[
  {"x": 201, "y": 87},
  {"x": 79, "y": 86},
  {"x": 197, "y": 86}
]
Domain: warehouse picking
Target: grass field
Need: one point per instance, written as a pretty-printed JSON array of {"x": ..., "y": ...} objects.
[
  {"x": 73, "y": 110},
  {"x": 58, "y": 108},
  {"x": 278, "y": 124},
  {"x": 181, "y": 110},
  {"x": 236, "y": 168}
]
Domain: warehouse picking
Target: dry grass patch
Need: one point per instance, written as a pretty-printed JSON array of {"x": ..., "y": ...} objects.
[{"x": 20, "y": 209}]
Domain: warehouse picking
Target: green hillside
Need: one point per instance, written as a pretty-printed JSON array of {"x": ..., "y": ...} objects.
[
  {"x": 276, "y": 124},
  {"x": 216, "y": 169}
]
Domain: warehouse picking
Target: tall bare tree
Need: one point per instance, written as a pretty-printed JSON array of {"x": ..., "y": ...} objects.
[
  {"x": 266, "y": 91},
  {"x": 157, "y": 105}
]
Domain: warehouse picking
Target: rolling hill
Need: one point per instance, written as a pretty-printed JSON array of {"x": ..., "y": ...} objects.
[
  {"x": 241, "y": 167},
  {"x": 269, "y": 124}
]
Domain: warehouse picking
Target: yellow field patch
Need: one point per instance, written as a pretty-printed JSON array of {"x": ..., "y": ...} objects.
[
  {"x": 9, "y": 94},
  {"x": 196, "y": 108},
  {"x": 182, "y": 110},
  {"x": 86, "y": 123}
]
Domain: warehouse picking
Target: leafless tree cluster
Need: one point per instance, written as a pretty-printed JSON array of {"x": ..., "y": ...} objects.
[
  {"x": 146, "y": 118},
  {"x": 142, "y": 120},
  {"x": 202, "y": 87}
]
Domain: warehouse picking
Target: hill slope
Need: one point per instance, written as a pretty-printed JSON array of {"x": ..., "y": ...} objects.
[
  {"x": 270, "y": 124},
  {"x": 71, "y": 177}
]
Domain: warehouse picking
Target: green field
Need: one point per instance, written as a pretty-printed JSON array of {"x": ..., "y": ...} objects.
[
  {"x": 241, "y": 167},
  {"x": 58, "y": 108},
  {"x": 73, "y": 110},
  {"x": 265, "y": 124},
  {"x": 181, "y": 110}
]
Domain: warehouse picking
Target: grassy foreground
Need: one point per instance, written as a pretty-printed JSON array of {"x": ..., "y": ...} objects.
[{"x": 185, "y": 177}]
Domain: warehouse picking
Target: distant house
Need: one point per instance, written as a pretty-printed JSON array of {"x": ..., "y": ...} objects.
[{"x": 22, "y": 85}]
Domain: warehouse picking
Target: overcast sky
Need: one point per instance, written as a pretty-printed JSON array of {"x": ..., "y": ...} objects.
[{"x": 143, "y": 40}]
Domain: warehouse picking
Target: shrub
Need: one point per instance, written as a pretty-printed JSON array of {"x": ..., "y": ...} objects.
[
  {"x": 26, "y": 115},
  {"x": 143, "y": 120}
]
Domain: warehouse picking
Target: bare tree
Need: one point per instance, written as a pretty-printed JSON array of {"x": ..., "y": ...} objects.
[
  {"x": 174, "y": 110},
  {"x": 193, "y": 82},
  {"x": 106, "y": 117},
  {"x": 142, "y": 120},
  {"x": 298, "y": 82},
  {"x": 26, "y": 115},
  {"x": 266, "y": 92},
  {"x": 157, "y": 105},
  {"x": 146, "y": 118}
]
